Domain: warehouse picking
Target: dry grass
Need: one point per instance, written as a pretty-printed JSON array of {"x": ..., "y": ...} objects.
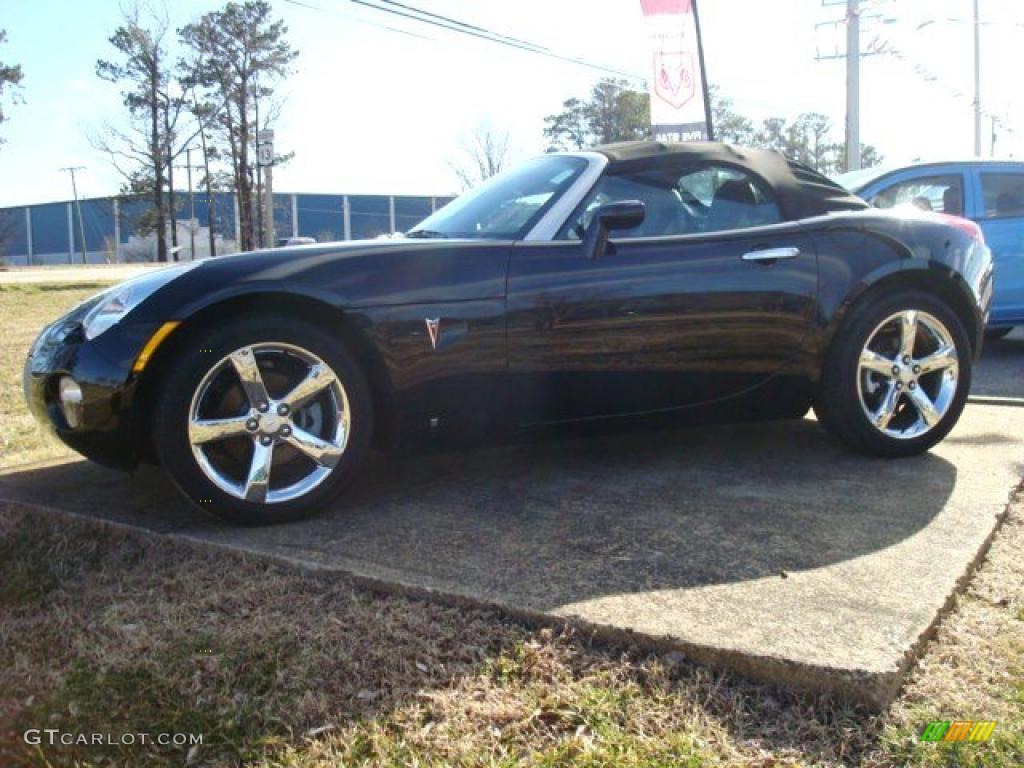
[
  {"x": 975, "y": 668},
  {"x": 111, "y": 631},
  {"x": 24, "y": 310}
]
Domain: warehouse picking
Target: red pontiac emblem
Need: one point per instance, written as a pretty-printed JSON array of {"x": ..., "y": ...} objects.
[
  {"x": 675, "y": 67},
  {"x": 673, "y": 77},
  {"x": 433, "y": 327}
]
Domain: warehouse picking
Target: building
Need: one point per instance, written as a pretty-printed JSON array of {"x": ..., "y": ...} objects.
[{"x": 49, "y": 233}]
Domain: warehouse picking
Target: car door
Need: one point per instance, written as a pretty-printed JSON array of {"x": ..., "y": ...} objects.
[
  {"x": 709, "y": 297},
  {"x": 999, "y": 192}
]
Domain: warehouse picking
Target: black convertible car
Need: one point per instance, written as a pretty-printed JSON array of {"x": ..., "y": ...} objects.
[{"x": 638, "y": 278}]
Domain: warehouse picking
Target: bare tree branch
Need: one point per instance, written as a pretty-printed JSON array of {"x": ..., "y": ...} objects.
[{"x": 483, "y": 154}]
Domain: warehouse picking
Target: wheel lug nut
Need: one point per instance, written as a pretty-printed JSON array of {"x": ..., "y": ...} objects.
[
  {"x": 906, "y": 359},
  {"x": 282, "y": 409},
  {"x": 263, "y": 407},
  {"x": 912, "y": 385},
  {"x": 252, "y": 425},
  {"x": 895, "y": 370},
  {"x": 286, "y": 430},
  {"x": 266, "y": 440},
  {"x": 917, "y": 369}
]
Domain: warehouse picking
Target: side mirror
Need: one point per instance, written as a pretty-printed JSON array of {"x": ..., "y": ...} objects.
[{"x": 622, "y": 215}]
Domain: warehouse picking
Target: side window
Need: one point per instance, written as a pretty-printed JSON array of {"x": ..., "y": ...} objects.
[
  {"x": 1003, "y": 194},
  {"x": 942, "y": 194},
  {"x": 729, "y": 199},
  {"x": 706, "y": 199},
  {"x": 669, "y": 216}
]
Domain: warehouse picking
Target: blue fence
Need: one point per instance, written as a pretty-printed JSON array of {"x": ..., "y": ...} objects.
[{"x": 51, "y": 233}]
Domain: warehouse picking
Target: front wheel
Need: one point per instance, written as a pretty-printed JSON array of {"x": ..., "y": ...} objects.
[
  {"x": 263, "y": 419},
  {"x": 897, "y": 375}
]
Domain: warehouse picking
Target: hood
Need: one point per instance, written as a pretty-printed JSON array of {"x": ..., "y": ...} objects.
[{"x": 361, "y": 273}]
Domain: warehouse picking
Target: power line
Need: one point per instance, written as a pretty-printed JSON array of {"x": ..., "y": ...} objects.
[
  {"x": 450, "y": 24},
  {"x": 954, "y": 20},
  {"x": 451, "y": 20},
  {"x": 350, "y": 17},
  {"x": 884, "y": 46},
  {"x": 489, "y": 35}
]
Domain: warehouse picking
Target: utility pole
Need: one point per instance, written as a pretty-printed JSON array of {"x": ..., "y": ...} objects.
[
  {"x": 211, "y": 205},
  {"x": 977, "y": 80},
  {"x": 259, "y": 172},
  {"x": 265, "y": 158},
  {"x": 853, "y": 84},
  {"x": 78, "y": 208},
  {"x": 268, "y": 217},
  {"x": 852, "y": 19},
  {"x": 191, "y": 204},
  {"x": 172, "y": 207}
]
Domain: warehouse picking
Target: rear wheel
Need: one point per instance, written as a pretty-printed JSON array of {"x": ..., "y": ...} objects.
[
  {"x": 263, "y": 419},
  {"x": 897, "y": 376}
]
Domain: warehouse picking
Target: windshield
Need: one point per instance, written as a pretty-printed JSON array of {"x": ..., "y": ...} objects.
[
  {"x": 857, "y": 180},
  {"x": 505, "y": 206}
]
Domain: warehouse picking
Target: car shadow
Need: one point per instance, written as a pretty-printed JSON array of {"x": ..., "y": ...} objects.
[{"x": 547, "y": 524}]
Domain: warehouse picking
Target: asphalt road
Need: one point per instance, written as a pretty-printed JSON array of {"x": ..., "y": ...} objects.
[{"x": 1000, "y": 372}]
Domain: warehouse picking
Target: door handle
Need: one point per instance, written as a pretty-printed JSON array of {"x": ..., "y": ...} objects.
[{"x": 772, "y": 254}]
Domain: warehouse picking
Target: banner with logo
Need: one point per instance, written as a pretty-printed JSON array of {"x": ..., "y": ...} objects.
[{"x": 679, "y": 101}]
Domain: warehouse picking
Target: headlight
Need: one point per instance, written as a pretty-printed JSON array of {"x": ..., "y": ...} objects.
[{"x": 114, "y": 303}]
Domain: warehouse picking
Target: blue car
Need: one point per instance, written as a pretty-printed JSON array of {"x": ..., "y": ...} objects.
[{"x": 989, "y": 192}]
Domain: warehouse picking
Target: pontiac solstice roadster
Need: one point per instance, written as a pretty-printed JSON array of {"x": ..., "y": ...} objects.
[{"x": 635, "y": 279}]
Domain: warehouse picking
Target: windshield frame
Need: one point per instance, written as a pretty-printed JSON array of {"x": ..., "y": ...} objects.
[{"x": 547, "y": 220}]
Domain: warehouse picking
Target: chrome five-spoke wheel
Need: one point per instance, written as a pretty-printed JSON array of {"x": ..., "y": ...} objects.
[
  {"x": 908, "y": 374},
  {"x": 269, "y": 422}
]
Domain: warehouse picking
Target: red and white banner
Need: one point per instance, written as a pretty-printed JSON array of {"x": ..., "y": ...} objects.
[{"x": 679, "y": 110}]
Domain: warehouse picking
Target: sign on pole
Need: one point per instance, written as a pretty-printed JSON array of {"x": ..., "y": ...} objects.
[
  {"x": 680, "y": 108},
  {"x": 265, "y": 147}
]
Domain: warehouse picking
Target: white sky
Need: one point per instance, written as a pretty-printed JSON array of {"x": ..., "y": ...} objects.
[{"x": 371, "y": 111}]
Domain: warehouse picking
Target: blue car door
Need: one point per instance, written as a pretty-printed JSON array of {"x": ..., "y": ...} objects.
[{"x": 999, "y": 198}]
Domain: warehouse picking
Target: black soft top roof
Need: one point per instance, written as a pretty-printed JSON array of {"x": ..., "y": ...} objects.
[{"x": 802, "y": 191}]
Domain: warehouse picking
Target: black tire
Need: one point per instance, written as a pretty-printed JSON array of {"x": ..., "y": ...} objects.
[
  {"x": 839, "y": 406},
  {"x": 995, "y": 334},
  {"x": 197, "y": 353}
]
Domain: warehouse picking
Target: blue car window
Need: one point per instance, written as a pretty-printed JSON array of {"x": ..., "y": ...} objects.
[
  {"x": 1003, "y": 194},
  {"x": 942, "y": 194}
]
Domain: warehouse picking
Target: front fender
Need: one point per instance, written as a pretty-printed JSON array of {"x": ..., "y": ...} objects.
[{"x": 363, "y": 276}]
